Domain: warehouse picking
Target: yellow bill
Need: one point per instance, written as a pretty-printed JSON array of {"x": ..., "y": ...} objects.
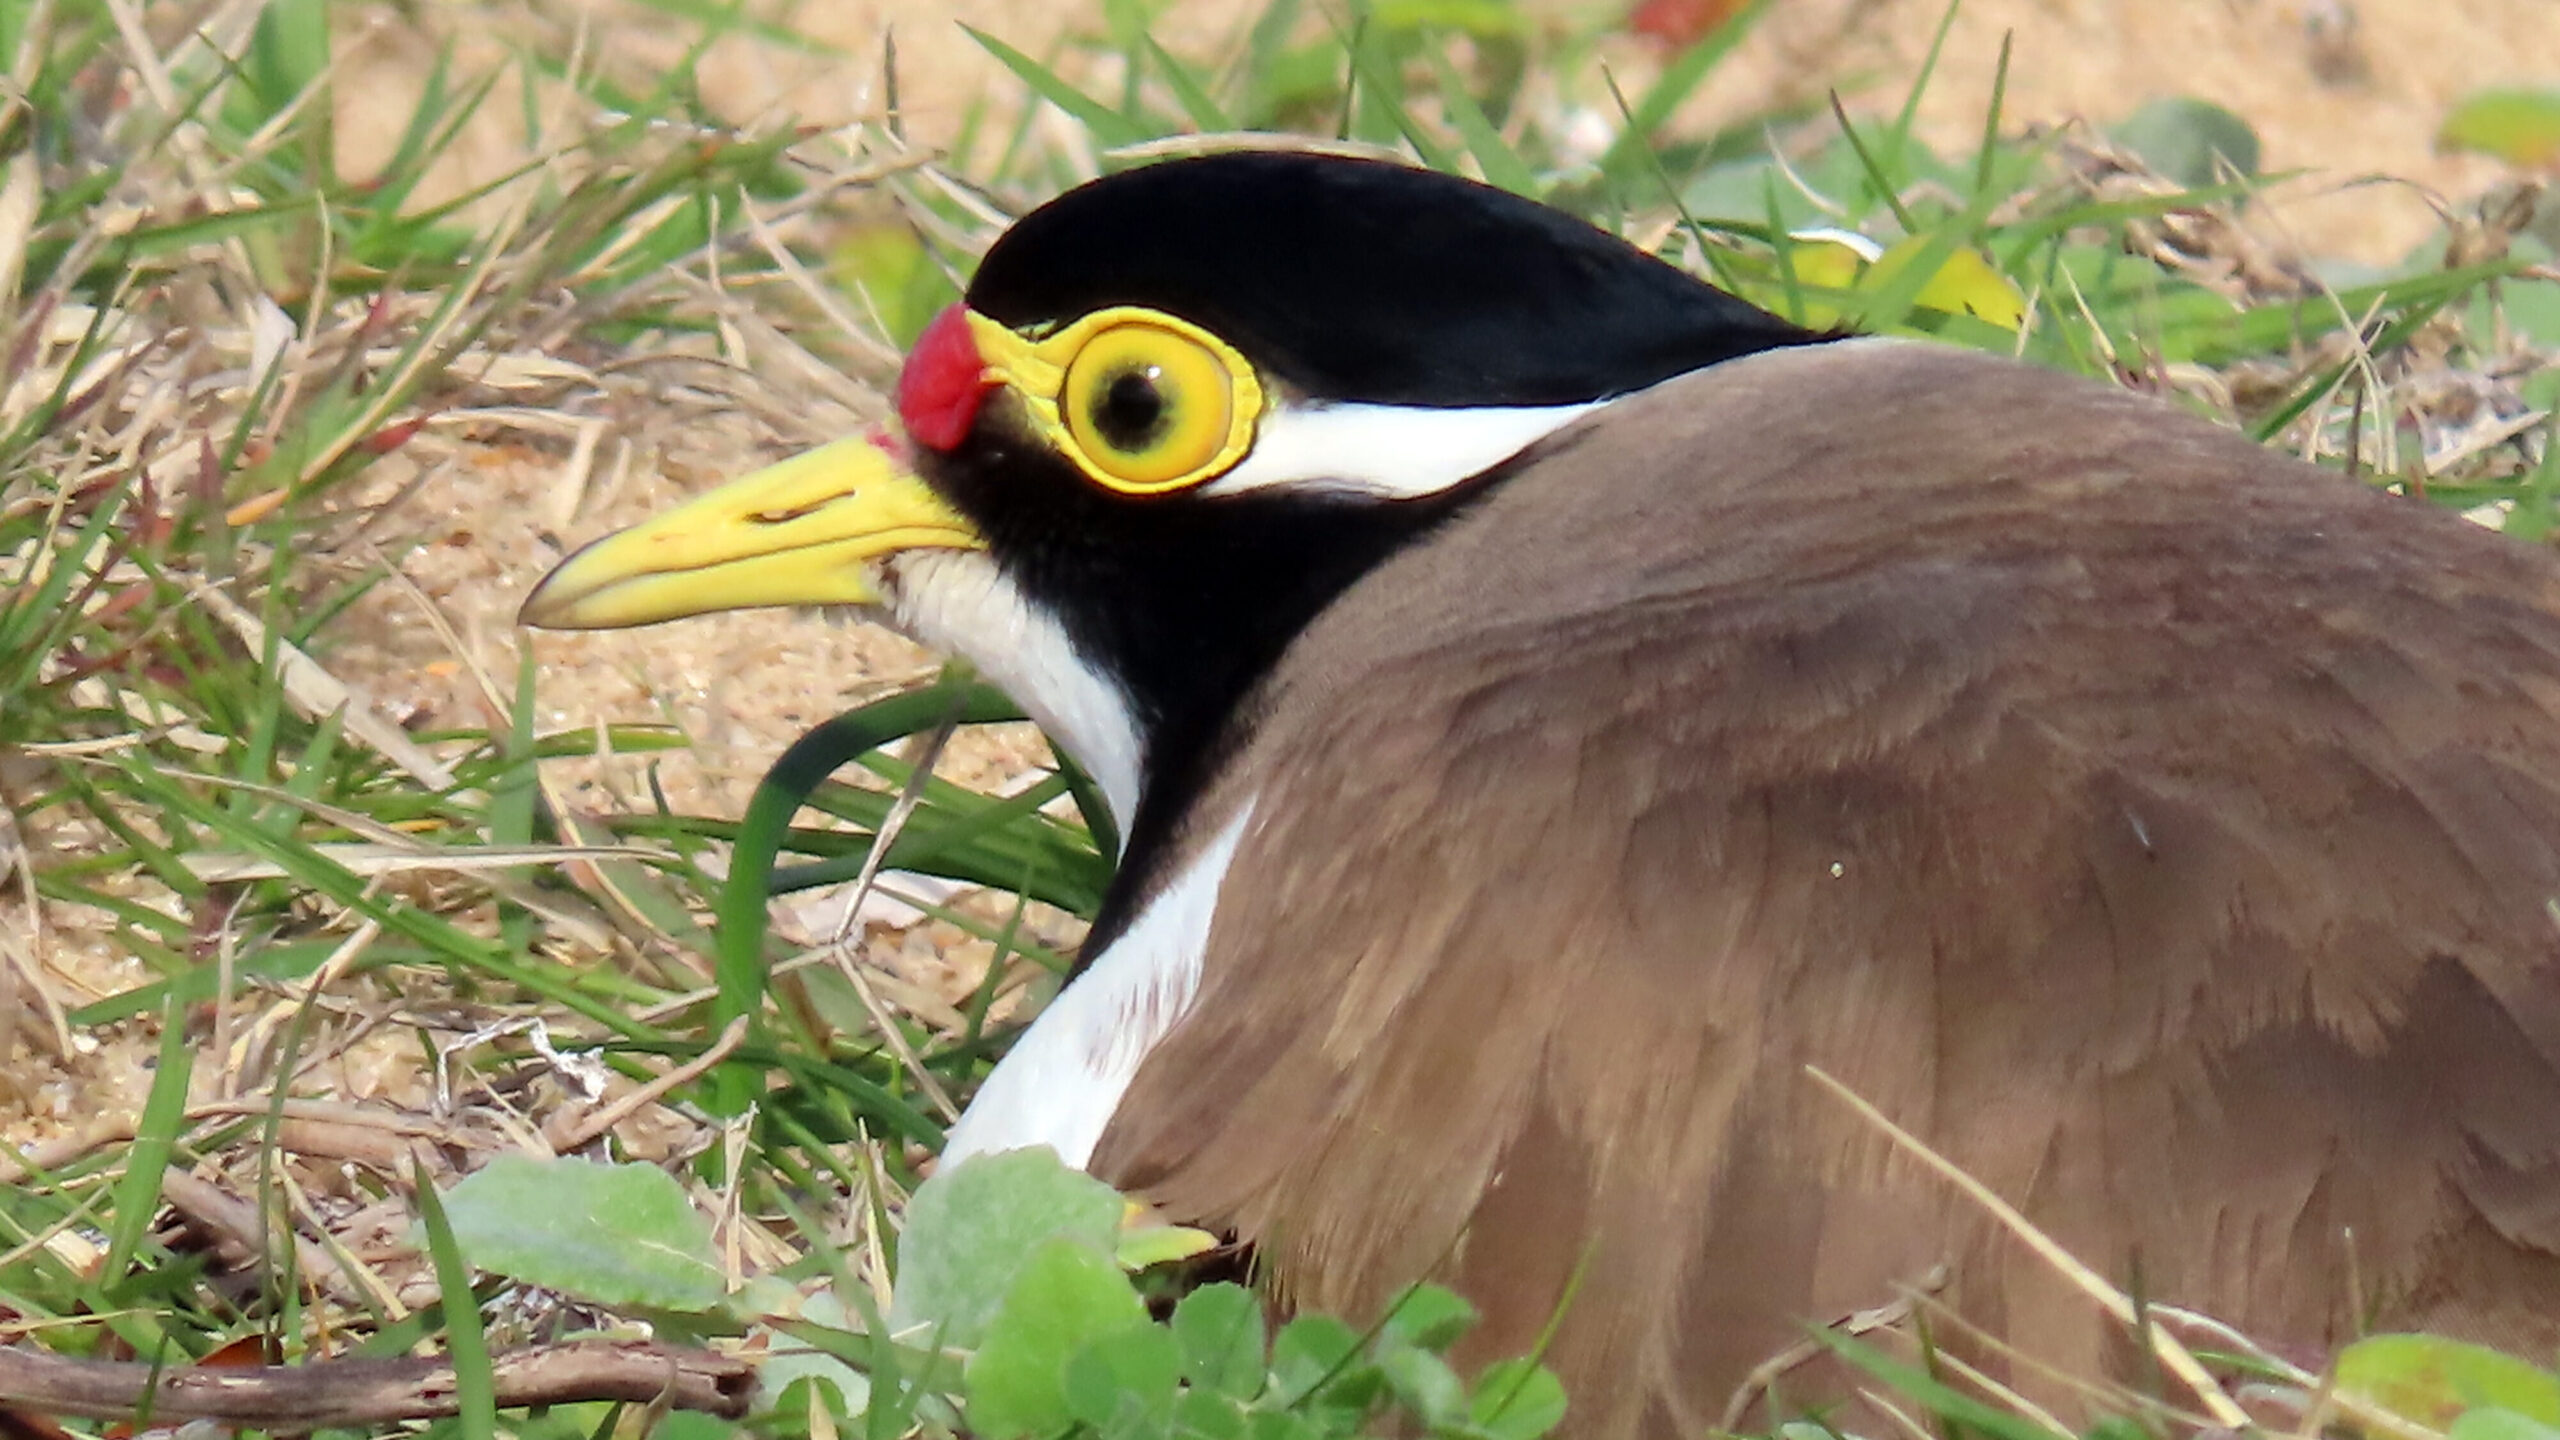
[{"x": 799, "y": 533}]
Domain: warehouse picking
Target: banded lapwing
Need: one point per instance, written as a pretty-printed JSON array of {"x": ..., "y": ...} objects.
[{"x": 1552, "y": 704}]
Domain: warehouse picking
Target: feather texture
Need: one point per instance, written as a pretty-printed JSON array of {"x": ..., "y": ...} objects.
[{"x": 2164, "y": 830}]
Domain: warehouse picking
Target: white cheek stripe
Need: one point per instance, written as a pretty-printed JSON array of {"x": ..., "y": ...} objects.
[
  {"x": 1062, "y": 1081},
  {"x": 959, "y": 602},
  {"x": 1394, "y": 452}
]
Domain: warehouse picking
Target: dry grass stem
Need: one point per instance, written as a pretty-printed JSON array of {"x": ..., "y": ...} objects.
[{"x": 2173, "y": 1356}]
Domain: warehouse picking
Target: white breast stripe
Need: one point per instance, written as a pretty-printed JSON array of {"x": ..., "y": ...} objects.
[
  {"x": 1063, "y": 1079},
  {"x": 1391, "y": 451},
  {"x": 958, "y": 602}
]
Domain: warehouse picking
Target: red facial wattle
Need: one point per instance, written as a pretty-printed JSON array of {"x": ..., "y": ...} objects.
[{"x": 943, "y": 383}]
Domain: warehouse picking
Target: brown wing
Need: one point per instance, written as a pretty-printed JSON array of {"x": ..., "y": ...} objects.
[{"x": 2164, "y": 830}]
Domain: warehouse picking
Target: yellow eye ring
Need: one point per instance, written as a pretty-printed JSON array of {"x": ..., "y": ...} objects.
[
  {"x": 1148, "y": 405},
  {"x": 1142, "y": 402}
]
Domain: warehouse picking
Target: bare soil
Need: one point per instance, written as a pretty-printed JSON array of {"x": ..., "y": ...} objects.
[{"x": 2341, "y": 89}]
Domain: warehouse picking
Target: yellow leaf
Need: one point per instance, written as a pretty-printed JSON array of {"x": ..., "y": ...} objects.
[
  {"x": 1145, "y": 1241},
  {"x": 1965, "y": 284},
  {"x": 2521, "y": 127}
]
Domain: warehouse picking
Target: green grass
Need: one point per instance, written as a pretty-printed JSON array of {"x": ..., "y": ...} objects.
[{"x": 220, "y": 351}]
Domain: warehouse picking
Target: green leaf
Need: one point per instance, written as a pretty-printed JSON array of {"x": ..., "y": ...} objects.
[
  {"x": 609, "y": 1234},
  {"x": 1283, "y": 1425},
  {"x": 1067, "y": 1296},
  {"x": 2489, "y": 1422},
  {"x": 1316, "y": 1358},
  {"x": 2532, "y": 310},
  {"x": 791, "y": 1360},
  {"x": 1123, "y": 1383},
  {"x": 1200, "y": 1415},
  {"x": 973, "y": 1230},
  {"x": 1518, "y": 1400},
  {"x": 1220, "y": 1328},
  {"x": 288, "y": 51},
  {"x": 2181, "y": 137},
  {"x": 1478, "y": 19},
  {"x": 2542, "y": 392},
  {"x": 2521, "y": 127},
  {"x": 1427, "y": 1317},
  {"x": 2433, "y": 1380},
  {"x": 1425, "y": 1385}
]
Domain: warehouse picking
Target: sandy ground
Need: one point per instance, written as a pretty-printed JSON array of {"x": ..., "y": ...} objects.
[{"x": 2341, "y": 88}]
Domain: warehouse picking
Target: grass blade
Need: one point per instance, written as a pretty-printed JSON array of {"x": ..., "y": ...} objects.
[
  {"x": 1494, "y": 156},
  {"x": 1111, "y": 129},
  {"x": 155, "y": 1139},
  {"x": 475, "y": 1382},
  {"x": 1678, "y": 81},
  {"x": 1187, "y": 90},
  {"x": 1898, "y": 134},
  {"x": 740, "y": 967}
]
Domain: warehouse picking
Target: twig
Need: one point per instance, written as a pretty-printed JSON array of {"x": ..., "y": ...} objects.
[
  {"x": 241, "y": 1234},
  {"x": 335, "y": 1394},
  {"x": 1767, "y": 1373},
  {"x": 580, "y": 1135}
]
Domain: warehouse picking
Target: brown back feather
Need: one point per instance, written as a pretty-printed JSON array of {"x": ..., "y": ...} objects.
[{"x": 2162, "y": 829}]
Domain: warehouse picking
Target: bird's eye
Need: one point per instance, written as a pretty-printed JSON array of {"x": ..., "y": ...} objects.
[{"x": 1152, "y": 409}]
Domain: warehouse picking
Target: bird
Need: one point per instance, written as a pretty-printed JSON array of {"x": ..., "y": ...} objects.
[{"x": 1560, "y": 714}]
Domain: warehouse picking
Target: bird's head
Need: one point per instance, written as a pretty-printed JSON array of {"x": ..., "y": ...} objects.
[{"x": 1180, "y": 409}]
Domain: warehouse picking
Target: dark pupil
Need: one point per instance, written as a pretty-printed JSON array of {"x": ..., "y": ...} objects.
[{"x": 1130, "y": 413}]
